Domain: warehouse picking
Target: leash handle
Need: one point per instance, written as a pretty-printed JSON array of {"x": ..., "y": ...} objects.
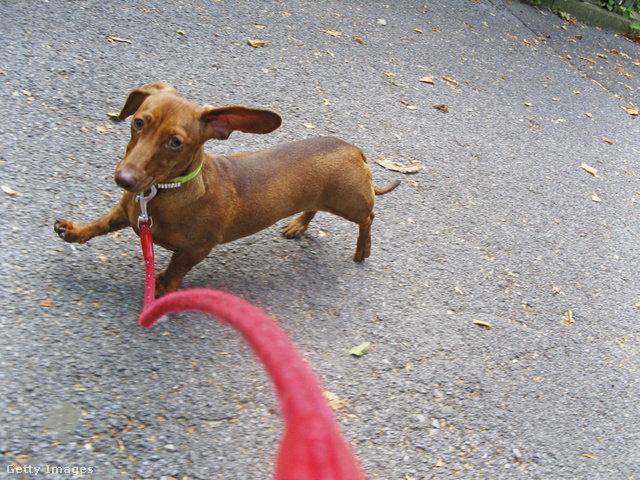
[{"x": 313, "y": 447}]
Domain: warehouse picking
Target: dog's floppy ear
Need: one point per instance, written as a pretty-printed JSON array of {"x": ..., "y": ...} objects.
[
  {"x": 138, "y": 95},
  {"x": 220, "y": 122}
]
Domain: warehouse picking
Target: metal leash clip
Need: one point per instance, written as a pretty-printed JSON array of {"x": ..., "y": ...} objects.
[{"x": 144, "y": 200}]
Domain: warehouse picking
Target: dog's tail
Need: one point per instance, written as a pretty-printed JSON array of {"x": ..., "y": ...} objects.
[{"x": 387, "y": 189}]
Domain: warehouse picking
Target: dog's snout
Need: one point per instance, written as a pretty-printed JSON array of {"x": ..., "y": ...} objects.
[{"x": 125, "y": 179}]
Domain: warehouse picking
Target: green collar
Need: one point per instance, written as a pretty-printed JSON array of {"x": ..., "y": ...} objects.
[{"x": 178, "y": 181}]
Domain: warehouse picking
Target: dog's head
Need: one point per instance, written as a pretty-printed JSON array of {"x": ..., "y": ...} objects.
[{"x": 168, "y": 133}]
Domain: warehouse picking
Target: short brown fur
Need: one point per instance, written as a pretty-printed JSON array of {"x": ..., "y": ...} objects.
[{"x": 233, "y": 196}]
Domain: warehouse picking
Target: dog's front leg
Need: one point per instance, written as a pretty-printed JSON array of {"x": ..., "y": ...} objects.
[
  {"x": 70, "y": 231},
  {"x": 181, "y": 262}
]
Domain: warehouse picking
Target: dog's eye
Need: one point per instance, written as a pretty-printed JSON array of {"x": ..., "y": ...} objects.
[
  {"x": 138, "y": 123},
  {"x": 175, "y": 142}
]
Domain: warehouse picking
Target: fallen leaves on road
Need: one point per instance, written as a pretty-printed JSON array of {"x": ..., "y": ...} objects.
[
  {"x": 567, "y": 318},
  {"x": 9, "y": 191},
  {"x": 451, "y": 80},
  {"x": 443, "y": 107},
  {"x": 359, "y": 40},
  {"x": 634, "y": 112},
  {"x": 481, "y": 323},
  {"x": 361, "y": 349},
  {"x": 589, "y": 169},
  {"x": 256, "y": 43},
  {"x": 399, "y": 167},
  {"x": 104, "y": 130},
  {"x": 308, "y": 125},
  {"x": 393, "y": 81},
  {"x": 113, "y": 39},
  {"x": 427, "y": 79},
  {"x": 409, "y": 106},
  {"x": 334, "y": 402},
  {"x": 333, "y": 33},
  {"x": 606, "y": 140}
]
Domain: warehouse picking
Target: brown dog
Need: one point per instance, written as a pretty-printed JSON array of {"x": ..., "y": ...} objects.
[{"x": 217, "y": 199}]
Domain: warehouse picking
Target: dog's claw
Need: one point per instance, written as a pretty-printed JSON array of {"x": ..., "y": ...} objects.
[{"x": 59, "y": 230}]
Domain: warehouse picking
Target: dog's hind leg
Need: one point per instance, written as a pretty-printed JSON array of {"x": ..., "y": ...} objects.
[{"x": 363, "y": 247}]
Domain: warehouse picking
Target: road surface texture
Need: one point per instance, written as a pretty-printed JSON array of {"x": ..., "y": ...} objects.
[{"x": 502, "y": 294}]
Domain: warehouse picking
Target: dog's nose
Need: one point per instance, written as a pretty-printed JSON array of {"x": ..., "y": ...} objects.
[{"x": 125, "y": 179}]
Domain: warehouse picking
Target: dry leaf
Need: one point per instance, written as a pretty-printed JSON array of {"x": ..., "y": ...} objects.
[
  {"x": 632, "y": 111},
  {"x": 113, "y": 115},
  {"x": 9, "y": 191},
  {"x": 567, "y": 318},
  {"x": 359, "y": 40},
  {"x": 429, "y": 80},
  {"x": 104, "y": 130},
  {"x": 450, "y": 80},
  {"x": 361, "y": 349},
  {"x": 588, "y": 60},
  {"x": 443, "y": 107},
  {"x": 308, "y": 125},
  {"x": 589, "y": 169},
  {"x": 417, "y": 30},
  {"x": 103, "y": 259},
  {"x": 180, "y": 32},
  {"x": 382, "y": 21},
  {"x": 596, "y": 198},
  {"x": 606, "y": 140},
  {"x": 398, "y": 167},
  {"x": 256, "y": 43},
  {"x": 111, "y": 38},
  {"x": 327, "y": 102},
  {"x": 588, "y": 115},
  {"x": 333, "y": 33},
  {"x": 481, "y": 323},
  {"x": 334, "y": 402}
]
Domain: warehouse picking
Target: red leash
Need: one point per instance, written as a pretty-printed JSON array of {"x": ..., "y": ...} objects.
[{"x": 313, "y": 447}]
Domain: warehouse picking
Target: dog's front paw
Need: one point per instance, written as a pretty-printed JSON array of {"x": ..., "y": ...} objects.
[{"x": 69, "y": 231}]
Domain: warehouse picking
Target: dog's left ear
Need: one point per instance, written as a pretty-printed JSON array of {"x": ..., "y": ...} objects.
[
  {"x": 138, "y": 95},
  {"x": 218, "y": 123}
]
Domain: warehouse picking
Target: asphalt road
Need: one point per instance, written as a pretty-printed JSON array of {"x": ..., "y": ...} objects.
[{"x": 503, "y": 225}]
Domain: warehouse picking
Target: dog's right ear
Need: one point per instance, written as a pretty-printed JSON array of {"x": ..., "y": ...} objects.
[{"x": 138, "y": 95}]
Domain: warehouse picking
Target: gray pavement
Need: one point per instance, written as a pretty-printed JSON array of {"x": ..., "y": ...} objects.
[{"x": 502, "y": 226}]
